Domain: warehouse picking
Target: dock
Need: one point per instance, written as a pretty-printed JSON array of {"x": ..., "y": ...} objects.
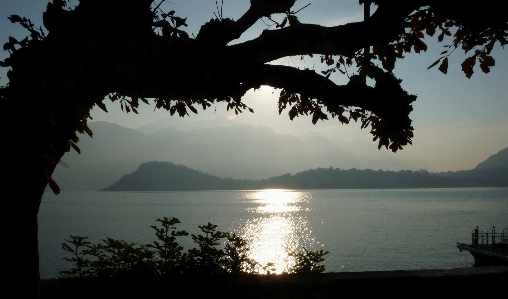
[{"x": 488, "y": 248}]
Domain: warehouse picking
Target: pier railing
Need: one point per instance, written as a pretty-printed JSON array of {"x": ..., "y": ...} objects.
[{"x": 489, "y": 238}]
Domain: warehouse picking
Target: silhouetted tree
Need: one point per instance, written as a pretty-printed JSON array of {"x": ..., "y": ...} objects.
[{"x": 131, "y": 51}]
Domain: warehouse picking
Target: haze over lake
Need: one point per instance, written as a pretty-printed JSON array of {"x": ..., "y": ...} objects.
[
  {"x": 363, "y": 229},
  {"x": 220, "y": 147}
]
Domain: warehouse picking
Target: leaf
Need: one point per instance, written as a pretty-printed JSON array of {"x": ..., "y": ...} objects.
[
  {"x": 179, "y": 21},
  {"x": 75, "y": 147},
  {"x": 343, "y": 119},
  {"x": 293, "y": 112},
  {"x": 15, "y": 19},
  {"x": 193, "y": 109},
  {"x": 486, "y": 63},
  {"x": 420, "y": 46},
  {"x": 435, "y": 63},
  {"x": 467, "y": 66},
  {"x": 102, "y": 106},
  {"x": 444, "y": 66},
  {"x": 430, "y": 30},
  {"x": 54, "y": 186},
  {"x": 88, "y": 131},
  {"x": 75, "y": 138},
  {"x": 485, "y": 68},
  {"x": 281, "y": 25},
  {"x": 449, "y": 23},
  {"x": 180, "y": 108},
  {"x": 440, "y": 37},
  {"x": 10, "y": 44},
  {"x": 66, "y": 247},
  {"x": 12, "y": 40},
  {"x": 389, "y": 62},
  {"x": 488, "y": 60},
  {"x": 134, "y": 102}
]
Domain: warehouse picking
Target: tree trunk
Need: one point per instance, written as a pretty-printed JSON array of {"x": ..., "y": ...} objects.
[
  {"x": 24, "y": 186},
  {"x": 22, "y": 230}
]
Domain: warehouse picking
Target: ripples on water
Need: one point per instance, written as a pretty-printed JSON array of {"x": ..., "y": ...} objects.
[
  {"x": 276, "y": 228},
  {"x": 364, "y": 230}
]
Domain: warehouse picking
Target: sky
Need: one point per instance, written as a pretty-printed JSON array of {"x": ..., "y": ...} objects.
[{"x": 458, "y": 122}]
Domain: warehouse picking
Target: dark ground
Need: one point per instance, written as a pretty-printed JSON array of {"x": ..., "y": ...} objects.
[{"x": 474, "y": 282}]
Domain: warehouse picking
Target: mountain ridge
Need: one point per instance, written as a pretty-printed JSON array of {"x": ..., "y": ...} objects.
[
  {"x": 167, "y": 176},
  {"x": 500, "y": 159},
  {"x": 239, "y": 151}
]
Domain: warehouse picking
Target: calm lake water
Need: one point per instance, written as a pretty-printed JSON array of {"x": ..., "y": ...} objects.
[{"x": 364, "y": 230}]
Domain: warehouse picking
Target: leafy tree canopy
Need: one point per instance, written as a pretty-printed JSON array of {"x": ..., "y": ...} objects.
[{"x": 134, "y": 52}]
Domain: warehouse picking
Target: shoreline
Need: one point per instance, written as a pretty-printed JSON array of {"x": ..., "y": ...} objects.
[{"x": 464, "y": 282}]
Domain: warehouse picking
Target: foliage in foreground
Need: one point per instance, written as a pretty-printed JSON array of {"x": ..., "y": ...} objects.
[{"x": 118, "y": 258}]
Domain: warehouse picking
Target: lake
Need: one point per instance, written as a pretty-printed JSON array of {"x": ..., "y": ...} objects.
[{"x": 364, "y": 230}]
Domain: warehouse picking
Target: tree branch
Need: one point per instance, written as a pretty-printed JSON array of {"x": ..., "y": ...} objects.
[
  {"x": 383, "y": 27},
  {"x": 387, "y": 99},
  {"x": 233, "y": 30}
]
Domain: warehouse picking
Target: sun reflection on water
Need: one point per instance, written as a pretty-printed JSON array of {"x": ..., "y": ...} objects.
[{"x": 280, "y": 227}]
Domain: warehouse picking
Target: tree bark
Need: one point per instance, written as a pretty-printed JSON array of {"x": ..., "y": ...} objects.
[
  {"x": 25, "y": 180},
  {"x": 28, "y": 183}
]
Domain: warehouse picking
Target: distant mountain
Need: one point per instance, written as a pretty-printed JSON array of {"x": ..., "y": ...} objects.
[
  {"x": 114, "y": 150},
  {"x": 185, "y": 126},
  {"x": 220, "y": 147},
  {"x": 497, "y": 160},
  {"x": 166, "y": 176},
  {"x": 226, "y": 149}
]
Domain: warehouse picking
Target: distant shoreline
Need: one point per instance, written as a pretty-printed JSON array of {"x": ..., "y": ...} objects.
[
  {"x": 291, "y": 189},
  {"x": 167, "y": 176}
]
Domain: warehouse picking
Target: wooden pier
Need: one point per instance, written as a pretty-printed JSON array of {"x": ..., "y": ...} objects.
[{"x": 489, "y": 248}]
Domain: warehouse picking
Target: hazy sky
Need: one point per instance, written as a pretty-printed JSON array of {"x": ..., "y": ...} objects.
[{"x": 458, "y": 122}]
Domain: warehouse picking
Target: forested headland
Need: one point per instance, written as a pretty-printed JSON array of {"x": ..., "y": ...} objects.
[{"x": 167, "y": 176}]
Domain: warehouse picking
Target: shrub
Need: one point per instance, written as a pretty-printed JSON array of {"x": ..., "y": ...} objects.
[
  {"x": 308, "y": 261},
  {"x": 165, "y": 256}
]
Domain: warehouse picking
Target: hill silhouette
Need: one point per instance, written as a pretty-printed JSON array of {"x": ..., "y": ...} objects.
[
  {"x": 495, "y": 161},
  {"x": 166, "y": 176},
  {"x": 220, "y": 147}
]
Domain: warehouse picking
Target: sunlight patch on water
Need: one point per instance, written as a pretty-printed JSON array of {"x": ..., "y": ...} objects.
[{"x": 278, "y": 230}]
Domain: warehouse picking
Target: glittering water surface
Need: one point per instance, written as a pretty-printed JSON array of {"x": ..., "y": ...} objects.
[
  {"x": 364, "y": 230},
  {"x": 278, "y": 227}
]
